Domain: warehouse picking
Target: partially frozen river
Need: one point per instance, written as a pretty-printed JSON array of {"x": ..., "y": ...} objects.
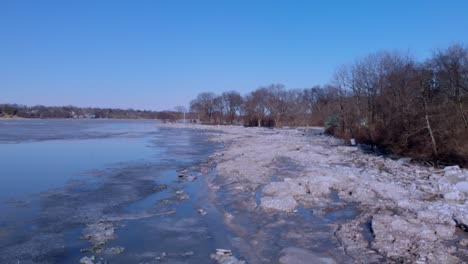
[{"x": 118, "y": 191}]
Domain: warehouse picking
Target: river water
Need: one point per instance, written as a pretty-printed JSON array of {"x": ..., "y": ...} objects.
[{"x": 146, "y": 184}]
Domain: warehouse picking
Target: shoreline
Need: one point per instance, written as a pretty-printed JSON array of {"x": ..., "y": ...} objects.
[
  {"x": 407, "y": 212},
  {"x": 70, "y": 118}
]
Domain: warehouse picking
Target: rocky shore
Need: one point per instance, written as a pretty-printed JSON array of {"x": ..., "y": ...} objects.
[{"x": 373, "y": 209}]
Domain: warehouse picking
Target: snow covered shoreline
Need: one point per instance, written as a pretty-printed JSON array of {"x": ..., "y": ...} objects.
[{"x": 415, "y": 214}]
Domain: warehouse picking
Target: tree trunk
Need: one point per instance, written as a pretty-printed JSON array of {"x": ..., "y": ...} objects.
[
  {"x": 431, "y": 133},
  {"x": 277, "y": 121},
  {"x": 465, "y": 119}
]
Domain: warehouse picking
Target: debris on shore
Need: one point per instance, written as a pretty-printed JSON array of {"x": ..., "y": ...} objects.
[
  {"x": 98, "y": 235},
  {"x": 224, "y": 256},
  {"x": 201, "y": 212},
  {"x": 412, "y": 213}
]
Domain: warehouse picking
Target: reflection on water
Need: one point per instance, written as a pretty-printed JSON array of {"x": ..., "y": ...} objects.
[
  {"x": 132, "y": 183},
  {"x": 32, "y": 167},
  {"x": 21, "y": 130}
]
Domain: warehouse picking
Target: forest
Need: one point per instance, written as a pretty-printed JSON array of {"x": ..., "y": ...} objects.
[{"x": 386, "y": 99}]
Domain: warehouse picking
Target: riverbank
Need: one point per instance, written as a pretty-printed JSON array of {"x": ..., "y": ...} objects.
[{"x": 391, "y": 210}]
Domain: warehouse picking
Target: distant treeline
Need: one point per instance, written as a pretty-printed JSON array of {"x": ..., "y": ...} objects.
[
  {"x": 386, "y": 99},
  {"x": 21, "y": 111}
]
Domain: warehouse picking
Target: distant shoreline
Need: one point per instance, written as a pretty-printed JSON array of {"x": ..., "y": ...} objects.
[
  {"x": 65, "y": 118},
  {"x": 16, "y": 111}
]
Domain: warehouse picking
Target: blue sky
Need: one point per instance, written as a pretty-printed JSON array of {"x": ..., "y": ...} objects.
[{"x": 158, "y": 54}]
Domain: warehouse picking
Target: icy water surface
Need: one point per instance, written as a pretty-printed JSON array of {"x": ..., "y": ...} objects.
[{"x": 144, "y": 183}]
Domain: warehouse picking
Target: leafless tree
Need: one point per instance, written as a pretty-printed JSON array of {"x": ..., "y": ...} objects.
[
  {"x": 218, "y": 109},
  {"x": 232, "y": 102},
  {"x": 451, "y": 67},
  {"x": 204, "y": 106},
  {"x": 256, "y": 106},
  {"x": 182, "y": 110}
]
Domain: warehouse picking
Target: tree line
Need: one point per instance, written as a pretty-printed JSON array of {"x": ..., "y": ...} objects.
[
  {"x": 22, "y": 111},
  {"x": 386, "y": 99}
]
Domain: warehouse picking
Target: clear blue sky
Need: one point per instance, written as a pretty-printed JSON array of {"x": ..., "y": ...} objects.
[{"x": 157, "y": 54}]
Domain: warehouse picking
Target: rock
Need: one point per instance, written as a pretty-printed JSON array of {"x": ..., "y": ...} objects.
[
  {"x": 461, "y": 222},
  {"x": 224, "y": 256},
  {"x": 98, "y": 235},
  {"x": 184, "y": 197},
  {"x": 286, "y": 204},
  {"x": 452, "y": 168},
  {"x": 452, "y": 176},
  {"x": 201, "y": 212},
  {"x": 399, "y": 236},
  {"x": 191, "y": 178},
  {"x": 223, "y": 252},
  {"x": 462, "y": 186},
  {"x": 162, "y": 256},
  {"x": 355, "y": 235},
  {"x": 292, "y": 255},
  {"x": 115, "y": 250},
  {"x": 452, "y": 171},
  {"x": 433, "y": 215},
  {"x": 187, "y": 176},
  {"x": 404, "y": 161},
  {"x": 463, "y": 243},
  {"x": 87, "y": 260},
  {"x": 228, "y": 217},
  {"x": 390, "y": 191},
  {"x": 454, "y": 196},
  {"x": 86, "y": 250},
  {"x": 188, "y": 254}
]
